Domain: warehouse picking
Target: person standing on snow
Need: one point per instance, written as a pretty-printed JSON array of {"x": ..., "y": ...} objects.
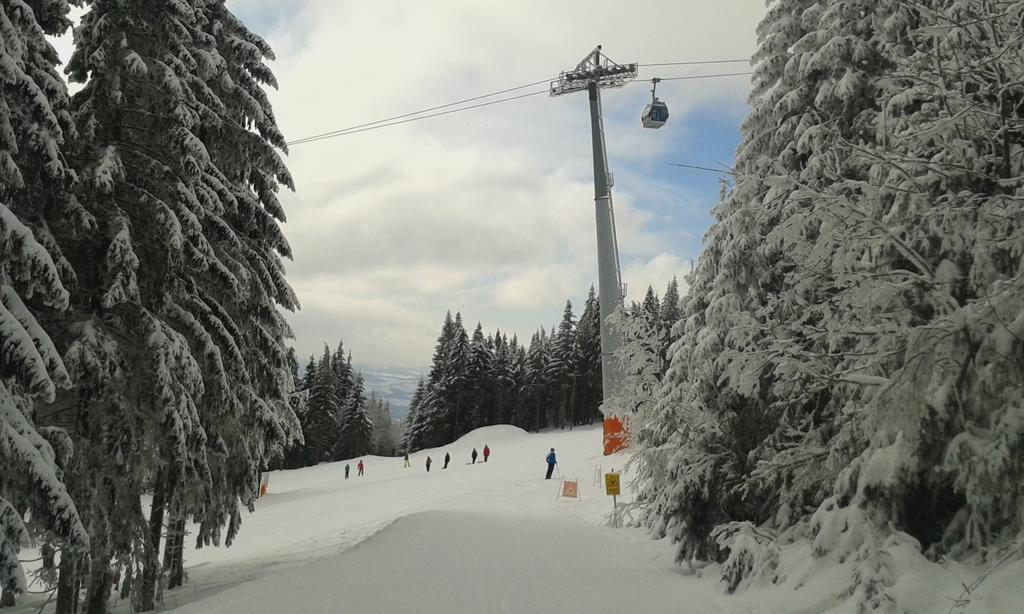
[
  {"x": 360, "y": 467},
  {"x": 406, "y": 459},
  {"x": 487, "y": 452},
  {"x": 552, "y": 461},
  {"x": 428, "y": 464},
  {"x": 447, "y": 459},
  {"x": 346, "y": 471},
  {"x": 473, "y": 456}
]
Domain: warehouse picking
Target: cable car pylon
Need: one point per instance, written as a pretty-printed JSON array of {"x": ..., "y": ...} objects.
[{"x": 594, "y": 72}]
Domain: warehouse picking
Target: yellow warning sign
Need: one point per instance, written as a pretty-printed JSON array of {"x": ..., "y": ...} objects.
[{"x": 611, "y": 483}]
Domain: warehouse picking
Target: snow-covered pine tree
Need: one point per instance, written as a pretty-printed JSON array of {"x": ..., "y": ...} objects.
[
  {"x": 34, "y": 182},
  {"x": 502, "y": 390},
  {"x": 309, "y": 374},
  {"x": 457, "y": 384},
  {"x": 321, "y": 430},
  {"x": 382, "y": 441},
  {"x": 413, "y": 440},
  {"x": 536, "y": 381},
  {"x": 926, "y": 238},
  {"x": 562, "y": 368},
  {"x": 668, "y": 316},
  {"x": 588, "y": 365},
  {"x": 516, "y": 378},
  {"x": 717, "y": 316},
  {"x": 356, "y": 427},
  {"x": 344, "y": 375},
  {"x": 243, "y": 148},
  {"x": 639, "y": 358},
  {"x": 478, "y": 373},
  {"x": 890, "y": 272},
  {"x": 165, "y": 114},
  {"x": 433, "y": 415},
  {"x": 812, "y": 89},
  {"x": 651, "y": 306}
]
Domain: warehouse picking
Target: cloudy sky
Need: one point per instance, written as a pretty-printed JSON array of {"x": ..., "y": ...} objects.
[{"x": 489, "y": 211}]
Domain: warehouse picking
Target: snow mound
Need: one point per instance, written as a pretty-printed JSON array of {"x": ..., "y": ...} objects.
[{"x": 489, "y": 435}]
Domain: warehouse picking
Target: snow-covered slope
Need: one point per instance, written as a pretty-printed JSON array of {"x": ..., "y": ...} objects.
[
  {"x": 448, "y": 561},
  {"x": 493, "y": 538},
  {"x": 314, "y": 513}
]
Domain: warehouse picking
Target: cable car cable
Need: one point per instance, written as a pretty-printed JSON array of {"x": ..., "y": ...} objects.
[
  {"x": 724, "y": 74},
  {"x": 377, "y": 125},
  {"x": 316, "y": 137},
  {"x": 696, "y": 63},
  {"x": 408, "y": 117},
  {"x": 703, "y": 168}
]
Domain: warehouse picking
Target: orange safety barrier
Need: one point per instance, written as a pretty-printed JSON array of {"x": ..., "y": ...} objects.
[{"x": 615, "y": 436}]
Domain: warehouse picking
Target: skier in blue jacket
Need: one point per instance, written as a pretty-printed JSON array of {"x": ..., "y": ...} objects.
[{"x": 551, "y": 464}]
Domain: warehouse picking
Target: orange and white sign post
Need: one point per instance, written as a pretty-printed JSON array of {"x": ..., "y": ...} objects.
[{"x": 611, "y": 487}]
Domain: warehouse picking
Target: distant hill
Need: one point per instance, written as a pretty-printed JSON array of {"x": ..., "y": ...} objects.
[{"x": 395, "y": 384}]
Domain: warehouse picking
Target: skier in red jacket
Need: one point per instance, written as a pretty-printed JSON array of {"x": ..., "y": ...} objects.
[
  {"x": 359, "y": 467},
  {"x": 487, "y": 452}
]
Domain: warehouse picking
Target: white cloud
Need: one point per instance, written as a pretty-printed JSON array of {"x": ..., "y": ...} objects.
[{"x": 656, "y": 273}]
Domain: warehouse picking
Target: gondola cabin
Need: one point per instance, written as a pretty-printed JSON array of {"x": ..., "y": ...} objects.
[{"x": 655, "y": 114}]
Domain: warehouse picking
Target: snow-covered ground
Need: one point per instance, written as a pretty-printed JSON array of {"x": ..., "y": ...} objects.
[{"x": 493, "y": 538}]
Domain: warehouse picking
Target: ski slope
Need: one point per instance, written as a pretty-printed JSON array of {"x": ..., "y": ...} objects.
[
  {"x": 494, "y": 538},
  {"x": 471, "y": 538}
]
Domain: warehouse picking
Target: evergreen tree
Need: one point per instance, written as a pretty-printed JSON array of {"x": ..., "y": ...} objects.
[
  {"x": 356, "y": 425},
  {"x": 434, "y": 411},
  {"x": 309, "y": 375},
  {"x": 669, "y": 316},
  {"x": 855, "y": 289},
  {"x": 34, "y": 197},
  {"x": 588, "y": 365},
  {"x": 180, "y": 171},
  {"x": 321, "y": 429},
  {"x": 382, "y": 441},
  {"x": 562, "y": 367},
  {"x": 651, "y": 307},
  {"x": 478, "y": 374},
  {"x": 344, "y": 375},
  {"x": 926, "y": 311},
  {"x": 536, "y": 386},
  {"x": 457, "y": 384},
  {"x": 720, "y": 368},
  {"x": 414, "y": 431}
]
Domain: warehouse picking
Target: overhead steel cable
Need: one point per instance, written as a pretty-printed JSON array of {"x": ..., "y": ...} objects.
[
  {"x": 703, "y": 168},
  {"x": 317, "y": 137},
  {"x": 724, "y": 74},
  {"x": 695, "y": 63},
  {"x": 378, "y": 125},
  {"x": 428, "y": 112}
]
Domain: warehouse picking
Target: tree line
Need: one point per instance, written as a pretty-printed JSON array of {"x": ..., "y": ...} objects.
[
  {"x": 848, "y": 366},
  {"x": 555, "y": 381},
  {"x": 339, "y": 421},
  {"x": 142, "y": 342}
]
